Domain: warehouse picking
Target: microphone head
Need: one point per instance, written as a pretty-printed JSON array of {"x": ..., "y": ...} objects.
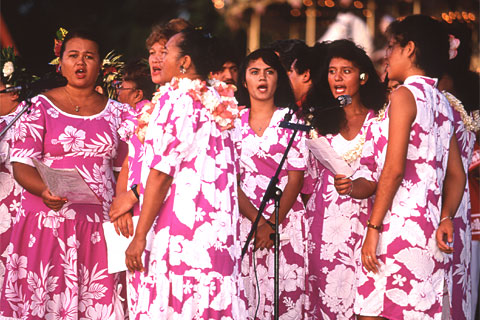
[{"x": 344, "y": 100}]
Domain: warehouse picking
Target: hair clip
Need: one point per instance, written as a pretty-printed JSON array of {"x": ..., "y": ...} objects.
[{"x": 454, "y": 44}]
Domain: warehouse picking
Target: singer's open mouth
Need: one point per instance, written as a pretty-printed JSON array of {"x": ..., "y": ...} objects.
[
  {"x": 340, "y": 89},
  {"x": 262, "y": 88}
]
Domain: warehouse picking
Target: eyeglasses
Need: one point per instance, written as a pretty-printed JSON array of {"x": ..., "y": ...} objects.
[
  {"x": 122, "y": 88},
  {"x": 118, "y": 86}
]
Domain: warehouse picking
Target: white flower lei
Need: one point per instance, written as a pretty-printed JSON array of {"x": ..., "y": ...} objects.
[
  {"x": 470, "y": 123},
  {"x": 224, "y": 109},
  {"x": 351, "y": 155}
]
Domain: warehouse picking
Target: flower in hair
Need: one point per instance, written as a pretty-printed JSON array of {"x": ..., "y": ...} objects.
[
  {"x": 8, "y": 69},
  {"x": 59, "y": 37},
  {"x": 112, "y": 73},
  {"x": 13, "y": 72},
  {"x": 454, "y": 44}
]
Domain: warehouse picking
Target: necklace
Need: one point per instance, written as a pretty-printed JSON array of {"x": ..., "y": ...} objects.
[
  {"x": 468, "y": 121},
  {"x": 76, "y": 107}
]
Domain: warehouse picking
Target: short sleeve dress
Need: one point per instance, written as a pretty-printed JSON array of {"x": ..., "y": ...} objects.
[
  {"x": 192, "y": 260},
  {"x": 9, "y": 191},
  {"x": 259, "y": 158},
  {"x": 56, "y": 263}
]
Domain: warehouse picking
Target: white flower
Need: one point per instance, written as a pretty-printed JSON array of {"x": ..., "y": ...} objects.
[
  {"x": 340, "y": 282},
  {"x": 17, "y": 266},
  {"x": 72, "y": 139},
  {"x": 62, "y": 306},
  {"x": 336, "y": 230},
  {"x": 32, "y": 241},
  {"x": 399, "y": 280},
  {"x": 5, "y": 218},
  {"x": 8, "y": 69},
  {"x": 422, "y": 295},
  {"x": 99, "y": 312},
  {"x": 95, "y": 237}
]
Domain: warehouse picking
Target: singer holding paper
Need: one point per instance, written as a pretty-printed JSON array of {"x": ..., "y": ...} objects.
[
  {"x": 337, "y": 210},
  {"x": 264, "y": 88},
  {"x": 56, "y": 262},
  {"x": 421, "y": 182}
]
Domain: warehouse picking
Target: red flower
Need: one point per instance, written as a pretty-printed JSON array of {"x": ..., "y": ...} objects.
[{"x": 57, "y": 47}]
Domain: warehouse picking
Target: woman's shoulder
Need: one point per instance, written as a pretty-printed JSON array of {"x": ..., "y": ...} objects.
[{"x": 116, "y": 105}]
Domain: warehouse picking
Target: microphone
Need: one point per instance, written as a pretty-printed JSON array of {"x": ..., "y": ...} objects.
[
  {"x": 31, "y": 89},
  {"x": 344, "y": 100},
  {"x": 11, "y": 89},
  {"x": 285, "y": 123}
]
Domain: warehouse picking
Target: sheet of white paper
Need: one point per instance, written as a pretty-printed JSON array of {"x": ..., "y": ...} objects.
[
  {"x": 66, "y": 183},
  {"x": 322, "y": 150},
  {"x": 118, "y": 244}
]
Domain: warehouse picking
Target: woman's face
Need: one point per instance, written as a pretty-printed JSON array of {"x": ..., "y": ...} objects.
[
  {"x": 8, "y": 100},
  {"x": 395, "y": 61},
  {"x": 260, "y": 80},
  {"x": 155, "y": 59},
  {"x": 171, "y": 63},
  {"x": 80, "y": 62},
  {"x": 343, "y": 77}
]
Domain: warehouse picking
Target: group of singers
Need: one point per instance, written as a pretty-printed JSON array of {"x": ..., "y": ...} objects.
[{"x": 192, "y": 163}]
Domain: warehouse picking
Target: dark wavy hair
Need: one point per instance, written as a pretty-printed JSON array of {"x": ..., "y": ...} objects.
[
  {"x": 430, "y": 38},
  {"x": 320, "y": 98},
  {"x": 82, "y": 34},
  {"x": 283, "y": 96},
  {"x": 202, "y": 48}
]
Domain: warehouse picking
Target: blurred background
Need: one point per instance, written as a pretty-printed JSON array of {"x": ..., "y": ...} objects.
[{"x": 123, "y": 25}]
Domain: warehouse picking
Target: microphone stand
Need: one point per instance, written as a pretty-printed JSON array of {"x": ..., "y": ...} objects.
[
  {"x": 25, "y": 108},
  {"x": 273, "y": 192}
]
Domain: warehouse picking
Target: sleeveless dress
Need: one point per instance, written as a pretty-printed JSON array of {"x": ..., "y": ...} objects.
[{"x": 412, "y": 276}]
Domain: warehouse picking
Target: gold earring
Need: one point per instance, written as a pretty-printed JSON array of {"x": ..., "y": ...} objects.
[{"x": 362, "y": 76}]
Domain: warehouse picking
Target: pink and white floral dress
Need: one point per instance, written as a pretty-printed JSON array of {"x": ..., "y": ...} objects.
[
  {"x": 336, "y": 226},
  {"x": 56, "y": 263},
  {"x": 9, "y": 191},
  {"x": 459, "y": 276},
  {"x": 259, "y": 158},
  {"x": 192, "y": 264},
  {"x": 411, "y": 279}
]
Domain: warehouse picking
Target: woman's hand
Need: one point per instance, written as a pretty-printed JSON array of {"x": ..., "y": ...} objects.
[
  {"x": 122, "y": 204},
  {"x": 53, "y": 202},
  {"x": 124, "y": 225},
  {"x": 133, "y": 254},
  {"x": 369, "y": 251},
  {"x": 343, "y": 184},
  {"x": 445, "y": 232},
  {"x": 262, "y": 236}
]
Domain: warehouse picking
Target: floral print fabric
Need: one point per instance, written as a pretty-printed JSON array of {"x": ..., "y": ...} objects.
[
  {"x": 56, "y": 264},
  {"x": 259, "y": 158},
  {"x": 192, "y": 264},
  {"x": 459, "y": 277},
  {"x": 9, "y": 192},
  {"x": 411, "y": 279},
  {"x": 336, "y": 228}
]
